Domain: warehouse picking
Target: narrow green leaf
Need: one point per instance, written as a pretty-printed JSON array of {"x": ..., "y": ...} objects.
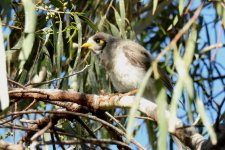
[
  {"x": 101, "y": 23},
  {"x": 175, "y": 20},
  {"x": 133, "y": 110},
  {"x": 190, "y": 46},
  {"x": 79, "y": 29},
  {"x": 181, "y": 7},
  {"x": 209, "y": 127},
  {"x": 46, "y": 62},
  {"x": 162, "y": 120},
  {"x": 155, "y": 3},
  {"x": 92, "y": 76},
  {"x": 114, "y": 30},
  {"x": 120, "y": 24},
  {"x": 30, "y": 16},
  {"x": 220, "y": 11},
  {"x": 4, "y": 97},
  {"x": 174, "y": 104},
  {"x": 59, "y": 48},
  {"x": 88, "y": 21},
  {"x": 123, "y": 17},
  {"x": 183, "y": 73},
  {"x": 75, "y": 83},
  {"x": 29, "y": 36}
]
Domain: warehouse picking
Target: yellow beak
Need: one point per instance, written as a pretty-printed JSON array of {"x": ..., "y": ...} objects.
[{"x": 87, "y": 45}]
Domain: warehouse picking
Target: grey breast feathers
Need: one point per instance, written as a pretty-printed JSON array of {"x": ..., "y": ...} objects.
[{"x": 138, "y": 56}]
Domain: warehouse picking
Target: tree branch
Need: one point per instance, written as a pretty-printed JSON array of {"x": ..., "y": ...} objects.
[{"x": 105, "y": 102}]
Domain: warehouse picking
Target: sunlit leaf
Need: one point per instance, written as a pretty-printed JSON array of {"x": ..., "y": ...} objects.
[
  {"x": 155, "y": 3},
  {"x": 190, "y": 46},
  {"x": 184, "y": 74},
  {"x": 30, "y": 25},
  {"x": 220, "y": 11},
  {"x": 59, "y": 47},
  {"x": 209, "y": 127},
  {"x": 133, "y": 110},
  {"x": 175, "y": 20},
  {"x": 162, "y": 120},
  {"x": 4, "y": 96},
  {"x": 89, "y": 22},
  {"x": 181, "y": 6},
  {"x": 123, "y": 17},
  {"x": 174, "y": 104},
  {"x": 114, "y": 30}
]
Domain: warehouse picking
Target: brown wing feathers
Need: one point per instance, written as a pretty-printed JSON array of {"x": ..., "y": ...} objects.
[{"x": 143, "y": 59}]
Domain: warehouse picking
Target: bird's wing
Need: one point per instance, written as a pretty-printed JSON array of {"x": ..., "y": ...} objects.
[
  {"x": 165, "y": 79},
  {"x": 139, "y": 57}
]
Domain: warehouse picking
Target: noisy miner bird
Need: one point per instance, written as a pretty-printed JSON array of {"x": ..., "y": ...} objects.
[{"x": 126, "y": 63}]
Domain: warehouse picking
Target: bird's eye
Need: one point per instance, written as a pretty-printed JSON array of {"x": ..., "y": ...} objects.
[{"x": 99, "y": 41}]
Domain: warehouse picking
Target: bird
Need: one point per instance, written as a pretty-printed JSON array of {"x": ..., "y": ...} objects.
[{"x": 126, "y": 62}]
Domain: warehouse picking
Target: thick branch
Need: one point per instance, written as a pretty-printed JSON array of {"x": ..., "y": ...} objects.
[{"x": 104, "y": 102}]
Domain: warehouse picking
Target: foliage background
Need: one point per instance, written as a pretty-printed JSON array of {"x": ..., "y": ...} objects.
[{"x": 43, "y": 41}]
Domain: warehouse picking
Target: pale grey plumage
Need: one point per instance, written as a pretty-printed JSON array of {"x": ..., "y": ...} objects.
[{"x": 126, "y": 62}]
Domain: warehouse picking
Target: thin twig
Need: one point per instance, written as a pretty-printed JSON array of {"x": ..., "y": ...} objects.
[
  {"x": 138, "y": 117},
  {"x": 218, "y": 41},
  {"x": 60, "y": 78},
  {"x": 12, "y": 26},
  {"x": 88, "y": 140},
  {"x": 209, "y": 48},
  {"x": 41, "y": 132},
  {"x": 81, "y": 115},
  {"x": 117, "y": 121},
  {"x": 17, "y": 83},
  {"x": 188, "y": 7}
]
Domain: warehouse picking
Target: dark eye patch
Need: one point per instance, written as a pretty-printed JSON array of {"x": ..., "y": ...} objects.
[{"x": 97, "y": 40}]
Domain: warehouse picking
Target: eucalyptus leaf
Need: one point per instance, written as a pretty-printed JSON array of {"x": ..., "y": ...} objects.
[
  {"x": 59, "y": 48},
  {"x": 79, "y": 29},
  {"x": 162, "y": 120},
  {"x": 155, "y": 3},
  {"x": 220, "y": 11},
  {"x": 202, "y": 113},
  {"x": 29, "y": 36},
  {"x": 123, "y": 18},
  {"x": 133, "y": 110},
  {"x": 4, "y": 96},
  {"x": 181, "y": 7}
]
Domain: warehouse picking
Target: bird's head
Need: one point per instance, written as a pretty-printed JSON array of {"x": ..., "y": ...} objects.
[{"x": 97, "y": 42}]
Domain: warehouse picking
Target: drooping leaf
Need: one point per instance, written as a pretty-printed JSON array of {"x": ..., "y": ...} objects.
[
  {"x": 220, "y": 11},
  {"x": 59, "y": 48},
  {"x": 181, "y": 6},
  {"x": 79, "y": 29},
  {"x": 155, "y": 3},
  {"x": 4, "y": 96},
  {"x": 133, "y": 110},
  {"x": 209, "y": 127},
  {"x": 162, "y": 120},
  {"x": 29, "y": 36},
  {"x": 123, "y": 17}
]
